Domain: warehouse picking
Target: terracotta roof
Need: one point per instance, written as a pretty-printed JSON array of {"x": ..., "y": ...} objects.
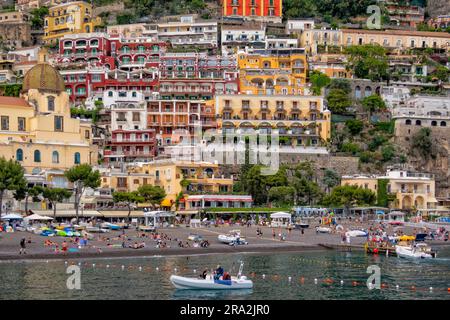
[
  {"x": 401, "y": 32},
  {"x": 12, "y": 101}
]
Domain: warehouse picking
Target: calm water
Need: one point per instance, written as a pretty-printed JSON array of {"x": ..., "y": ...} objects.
[{"x": 47, "y": 280}]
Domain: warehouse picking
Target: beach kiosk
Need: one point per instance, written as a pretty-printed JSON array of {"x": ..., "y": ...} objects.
[
  {"x": 160, "y": 218},
  {"x": 280, "y": 219},
  {"x": 396, "y": 217}
]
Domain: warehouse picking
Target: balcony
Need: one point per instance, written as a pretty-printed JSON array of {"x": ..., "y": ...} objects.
[{"x": 131, "y": 141}]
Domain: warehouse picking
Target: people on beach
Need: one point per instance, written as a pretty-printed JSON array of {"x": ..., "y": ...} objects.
[
  {"x": 64, "y": 246},
  {"x": 22, "y": 246}
]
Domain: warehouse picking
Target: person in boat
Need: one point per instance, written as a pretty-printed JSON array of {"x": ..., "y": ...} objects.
[
  {"x": 204, "y": 274},
  {"x": 226, "y": 276},
  {"x": 219, "y": 272}
]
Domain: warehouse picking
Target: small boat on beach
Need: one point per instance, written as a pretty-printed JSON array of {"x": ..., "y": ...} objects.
[
  {"x": 415, "y": 251},
  {"x": 209, "y": 283},
  {"x": 356, "y": 233},
  {"x": 96, "y": 229},
  {"x": 323, "y": 229},
  {"x": 234, "y": 236}
]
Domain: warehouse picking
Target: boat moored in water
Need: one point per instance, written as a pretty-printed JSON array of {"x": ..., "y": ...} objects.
[
  {"x": 212, "y": 283},
  {"x": 415, "y": 251}
]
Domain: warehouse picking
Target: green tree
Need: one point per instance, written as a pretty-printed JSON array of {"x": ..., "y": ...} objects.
[
  {"x": 342, "y": 84},
  {"x": 338, "y": 101},
  {"x": 388, "y": 153},
  {"x": 152, "y": 194},
  {"x": 422, "y": 143},
  {"x": 11, "y": 178},
  {"x": 129, "y": 199},
  {"x": 354, "y": 126},
  {"x": 442, "y": 73},
  {"x": 24, "y": 192},
  {"x": 367, "y": 61},
  {"x": 38, "y": 17},
  {"x": 350, "y": 147},
  {"x": 282, "y": 196},
  {"x": 349, "y": 196},
  {"x": 331, "y": 179},
  {"x": 125, "y": 18},
  {"x": 318, "y": 81},
  {"x": 55, "y": 195},
  {"x": 373, "y": 103},
  {"x": 82, "y": 176}
]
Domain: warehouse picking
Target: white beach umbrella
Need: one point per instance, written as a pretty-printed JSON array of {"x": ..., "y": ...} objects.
[
  {"x": 37, "y": 217},
  {"x": 12, "y": 216}
]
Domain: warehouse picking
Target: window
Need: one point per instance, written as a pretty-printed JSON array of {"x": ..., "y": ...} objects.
[
  {"x": 86, "y": 134},
  {"x": 5, "y": 122},
  {"x": 37, "y": 156},
  {"x": 19, "y": 155},
  {"x": 76, "y": 157},
  {"x": 21, "y": 124},
  {"x": 110, "y": 93},
  {"x": 96, "y": 78},
  {"x": 59, "y": 123},
  {"x": 55, "y": 157},
  {"x": 51, "y": 103}
]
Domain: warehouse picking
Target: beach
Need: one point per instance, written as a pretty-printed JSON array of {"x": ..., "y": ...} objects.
[{"x": 110, "y": 244}]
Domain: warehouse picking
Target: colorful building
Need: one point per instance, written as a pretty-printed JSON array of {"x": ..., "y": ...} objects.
[
  {"x": 69, "y": 18},
  {"x": 196, "y": 76},
  {"x": 199, "y": 178},
  {"x": 263, "y": 10},
  {"x": 175, "y": 119},
  {"x": 412, "y": 190},
  {"x": 302, "y": 120},
  {"x": 38, "y": 131},
  {"x": 273, "y": 72}
]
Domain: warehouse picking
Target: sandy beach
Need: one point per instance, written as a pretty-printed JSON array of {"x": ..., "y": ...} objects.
[{"x": 101, "y": 247}]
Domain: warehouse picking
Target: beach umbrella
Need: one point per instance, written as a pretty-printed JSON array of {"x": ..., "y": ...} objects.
[
  {"x": 12, "y": 216},
  {"x": 37, "y": 217}
]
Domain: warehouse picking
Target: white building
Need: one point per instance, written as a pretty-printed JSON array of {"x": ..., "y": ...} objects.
[
  {"x": 393, "y": 96},
  {"x": 242, "y": 38},
  {"x": 129, "y": 115},
  {"x": 435, "y": 107},
  {"x": 299, "y": 25},
  {"x": 281, "y": 43},
  {"x": 187, "y": 31}
]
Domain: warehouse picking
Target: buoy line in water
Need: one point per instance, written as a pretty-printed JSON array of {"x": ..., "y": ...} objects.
[{"x": 291, "y": 279}]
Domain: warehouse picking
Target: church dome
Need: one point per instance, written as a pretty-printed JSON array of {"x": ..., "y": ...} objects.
[{"x": 43, "y": 77}]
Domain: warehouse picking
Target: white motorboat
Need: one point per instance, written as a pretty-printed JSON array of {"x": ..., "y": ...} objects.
[
  {"x": 239, "y": 282},
  {"x": 415, "y": 251},
  {"x": 356, "y": 233},
  {"x": 96, "y": 229},
  {"x": 323, "y": 229},
  {"x": 232, "y": 237}
]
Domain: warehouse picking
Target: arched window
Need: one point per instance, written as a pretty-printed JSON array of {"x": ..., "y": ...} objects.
[
  {"x": 368, "y": 91},
  {"x": 55, "y": 157},
  {"x": 418, "y": 123},
  {"x": 408, "y": 122},
  {"x": 37, "y": 156},
  {"x": 433, "y": 123},
  {"x": 51, "y": 103},
  {"x": 76, "y": 159},
  {"x": 357, "y": 92},
  {"x": 19, "y": 155},
  {"x": 443, "y": 124}
]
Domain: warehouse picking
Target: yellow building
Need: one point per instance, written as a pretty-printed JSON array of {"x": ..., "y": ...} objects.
[
  {"x": 302, "y": 119},
  {"x": 37, "y": 129},
  {"x": 69, "y": 18},
  {"x": 272, "y": 71},
  {"x": 201, "y": 177},
  {"x": 413, "y": 191}
]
